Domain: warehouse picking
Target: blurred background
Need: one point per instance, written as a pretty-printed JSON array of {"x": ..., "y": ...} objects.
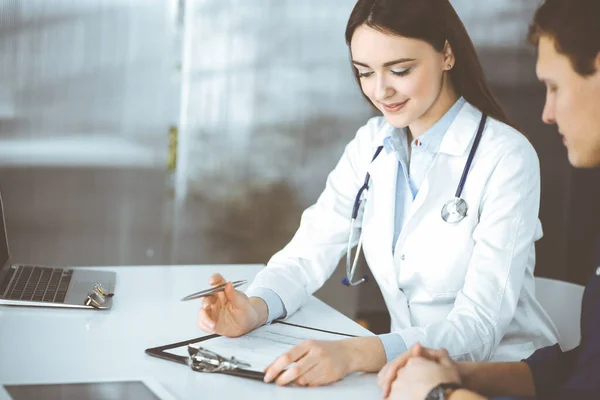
[{"x": 136, "y": 132}]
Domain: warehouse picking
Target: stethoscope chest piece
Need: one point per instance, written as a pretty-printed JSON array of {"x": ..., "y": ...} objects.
[{"x": 455, "y": 210}]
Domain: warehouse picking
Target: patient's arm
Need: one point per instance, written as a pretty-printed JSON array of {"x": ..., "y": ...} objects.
[
  {"x": 495, "y": 379},
  {"x": 420, "y": 369}
]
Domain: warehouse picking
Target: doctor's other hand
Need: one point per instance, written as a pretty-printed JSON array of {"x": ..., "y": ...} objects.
[
  {"x": 314, "y": 362},
  {"x": 389, "y": 372},
  {"x": 230, "y": 312},
  {"x": 416, "y": 379}
]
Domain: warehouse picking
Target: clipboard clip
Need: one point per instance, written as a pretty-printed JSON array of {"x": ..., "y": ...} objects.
[
  {"x": 97, "y": 296},
  {"x": 203, "y": 360}
]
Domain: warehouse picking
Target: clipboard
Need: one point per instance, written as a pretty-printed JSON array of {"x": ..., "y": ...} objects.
[{"x": 162, "y": 352}]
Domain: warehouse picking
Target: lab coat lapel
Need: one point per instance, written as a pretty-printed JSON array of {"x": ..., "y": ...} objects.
[
  {"x": 456, "y": 142},
  {"x": 420, "y": 198},
  {"x": 383, "y": 172}
]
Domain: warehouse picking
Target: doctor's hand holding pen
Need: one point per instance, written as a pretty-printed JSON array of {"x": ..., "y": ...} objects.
[
  {"x": 311, "y": 363},
  {"x": 230, "y": 312}
]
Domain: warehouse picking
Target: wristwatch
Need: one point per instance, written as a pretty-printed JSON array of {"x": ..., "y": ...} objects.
[{"x": 441, "y": 391}]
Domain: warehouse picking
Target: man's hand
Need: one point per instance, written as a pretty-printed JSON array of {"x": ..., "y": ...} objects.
[
  {"x": 389, "y": 372},
  {"x": 419, "y": 375}
]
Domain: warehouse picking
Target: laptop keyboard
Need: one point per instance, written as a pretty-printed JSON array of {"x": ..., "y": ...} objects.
[{"x": 43, "y": 284}]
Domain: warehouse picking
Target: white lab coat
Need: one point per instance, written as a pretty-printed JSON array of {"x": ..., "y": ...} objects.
[{"x": 466, "y": 287}]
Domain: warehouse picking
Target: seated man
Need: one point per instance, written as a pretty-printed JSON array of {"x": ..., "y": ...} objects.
[{"x": 567, "y": 35}]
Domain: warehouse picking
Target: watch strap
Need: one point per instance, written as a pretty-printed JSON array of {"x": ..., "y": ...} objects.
[{"x": 439, "y": 391}]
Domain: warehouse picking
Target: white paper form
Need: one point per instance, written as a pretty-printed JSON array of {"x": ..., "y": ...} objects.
[{"x": 262, "y": 346}]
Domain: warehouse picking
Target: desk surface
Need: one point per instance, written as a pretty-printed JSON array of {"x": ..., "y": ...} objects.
[{"x": 59, "y": 345}]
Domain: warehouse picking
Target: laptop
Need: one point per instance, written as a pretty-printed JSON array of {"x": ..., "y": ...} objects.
[{"x": 43, "y": 286}]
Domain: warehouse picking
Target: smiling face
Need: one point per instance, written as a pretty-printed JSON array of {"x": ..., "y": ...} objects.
[
  {"x": 403, "y": 77},
  {"x": 572, "y": 103}
]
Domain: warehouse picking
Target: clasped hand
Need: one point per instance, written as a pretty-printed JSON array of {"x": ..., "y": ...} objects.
[{"x": 413, "y": 374}]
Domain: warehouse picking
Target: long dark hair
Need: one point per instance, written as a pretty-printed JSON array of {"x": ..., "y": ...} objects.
[{"x": 435, "y": 22}]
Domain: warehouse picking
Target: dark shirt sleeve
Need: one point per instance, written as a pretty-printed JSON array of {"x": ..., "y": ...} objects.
[{"x": 551, "y": 368}]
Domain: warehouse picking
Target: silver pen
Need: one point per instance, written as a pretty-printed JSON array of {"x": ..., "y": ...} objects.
[{"x": 213, "y": 290}]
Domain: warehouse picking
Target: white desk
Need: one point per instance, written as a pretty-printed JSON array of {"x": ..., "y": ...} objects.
[{"x": 54, "y": 345}]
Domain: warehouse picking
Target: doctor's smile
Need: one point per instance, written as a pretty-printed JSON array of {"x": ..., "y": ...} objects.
[{"x": 395, "y": 107}]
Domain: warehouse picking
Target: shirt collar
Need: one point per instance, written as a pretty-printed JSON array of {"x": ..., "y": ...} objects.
[{"x": 432, "y": 138}]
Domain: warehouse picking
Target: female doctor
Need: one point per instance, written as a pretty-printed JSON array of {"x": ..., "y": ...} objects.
[{"x": 448, "y": 222}]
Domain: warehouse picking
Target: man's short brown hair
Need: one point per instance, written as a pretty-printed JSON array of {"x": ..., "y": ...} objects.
[{"x": 574, "y": 25}]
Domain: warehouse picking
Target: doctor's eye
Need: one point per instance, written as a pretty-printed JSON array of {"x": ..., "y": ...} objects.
[
  {"x": 403, "y": 72},
  {"x": 364, "y": 74}
]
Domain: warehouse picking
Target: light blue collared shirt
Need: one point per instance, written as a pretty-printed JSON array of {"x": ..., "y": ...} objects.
[{"x": 411, "y": 174}]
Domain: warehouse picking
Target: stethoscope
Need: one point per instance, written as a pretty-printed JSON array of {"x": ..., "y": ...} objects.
[{"x": 454, "y": 211}]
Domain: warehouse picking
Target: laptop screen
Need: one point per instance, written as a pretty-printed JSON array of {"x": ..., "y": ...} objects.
[
  {"x": 4, "y": 256},
  {"x": 3, "y": 241}
]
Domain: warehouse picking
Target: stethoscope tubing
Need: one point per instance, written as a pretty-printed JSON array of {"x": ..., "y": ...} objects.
[
  {"x": 365, "y": 188},
  {"x": 463, "y": 178}
]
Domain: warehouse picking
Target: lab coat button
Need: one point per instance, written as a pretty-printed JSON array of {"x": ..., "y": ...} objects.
[{"x": 402, "y": 257}]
